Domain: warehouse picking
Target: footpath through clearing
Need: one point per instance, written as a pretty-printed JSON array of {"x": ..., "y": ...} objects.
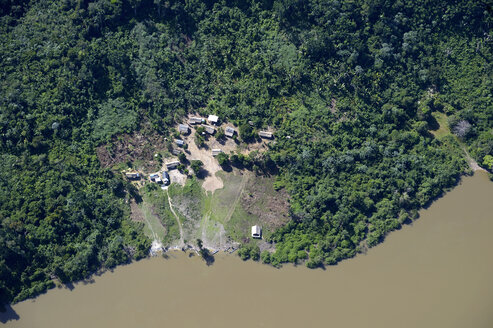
[
  {"x": 472, "y": 163},
  {"x": 182, "y": 241}
]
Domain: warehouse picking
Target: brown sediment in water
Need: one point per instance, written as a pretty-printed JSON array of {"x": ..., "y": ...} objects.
[{"x": 435, "y": 273}]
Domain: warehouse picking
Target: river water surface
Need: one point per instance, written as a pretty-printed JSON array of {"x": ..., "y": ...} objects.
[{"x": 436, "y": 273}]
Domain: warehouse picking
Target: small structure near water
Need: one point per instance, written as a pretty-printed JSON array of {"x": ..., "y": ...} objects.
[{"x": 256, "y": 232}]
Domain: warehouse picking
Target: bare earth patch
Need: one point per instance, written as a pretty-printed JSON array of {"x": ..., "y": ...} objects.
[
  {"x": 135, "y": 212},
  {"x": 211, "y": 181},
  {"x": 130, "y": 148},
  {"x": 259, "y": 198},
  {"x": 177, "y": 177}
]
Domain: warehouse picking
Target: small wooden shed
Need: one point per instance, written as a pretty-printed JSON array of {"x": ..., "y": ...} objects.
[
  {"x": 265, "y": 134},
  {"x": 209, "y": 129},
  {"x": 196, "y": 120},
  {"x": 183, "y": 128},
  {"x": 216, "y": 151},
  {"x": 166, "y": 179},
  {"x": 229, "y": 132},
  {"x": 172, "y": 165},
  {"x": 132, "y": 175}
]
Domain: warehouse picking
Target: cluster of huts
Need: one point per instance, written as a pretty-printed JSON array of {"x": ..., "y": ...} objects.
[
  {"x": 162, "y": 178},
  {"x": 209, "y": 128}
]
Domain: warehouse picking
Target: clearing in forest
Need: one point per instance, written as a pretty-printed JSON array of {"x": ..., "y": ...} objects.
[{"x": 444, "y": 130}]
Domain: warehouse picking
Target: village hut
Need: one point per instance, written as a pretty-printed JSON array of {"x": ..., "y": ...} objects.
[
  {"x": 229, "y": 132},
  {"x": 196, "y": 120},
  {"x": 213, "y": 119},
  {"x": 132, "y": 175},
  {"x": 183, "y": 128},
  {"x": 172, "y": 165},
  {"x": 166, "y": 179},
  {"x": 216, "y": 151},
  {"x": 209, "y": 129},
  {"x": 265, "y": 134}
]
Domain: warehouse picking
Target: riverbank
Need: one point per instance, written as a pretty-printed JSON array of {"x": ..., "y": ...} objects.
[{"x": 434, "y": 273}]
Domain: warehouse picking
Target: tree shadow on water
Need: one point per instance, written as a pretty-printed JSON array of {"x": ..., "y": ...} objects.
[
  {"x": 69, "y": 285},
  {"x": 207, "y": 256},
  {"x": 7, "y": 313}
]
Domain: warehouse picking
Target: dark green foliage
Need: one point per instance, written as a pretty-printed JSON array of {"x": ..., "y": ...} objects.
[
  {"x": 249, "y": 251},
  {"x": 220, "y": 134},
  {"x": 223, "y": 159},
  {"x": 196, "y": 166},
  {"x": 265, "y": 257},
  {"x": 247, "y": 132},
  {"x": 182, "y": 157},
  {"x": 349, "y": 87}
]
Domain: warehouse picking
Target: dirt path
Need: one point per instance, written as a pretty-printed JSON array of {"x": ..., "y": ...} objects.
[
  {"x": 182, "y": 242},
  {"x": 204, "y": 225},
  {"x": 472, "y": 163}
]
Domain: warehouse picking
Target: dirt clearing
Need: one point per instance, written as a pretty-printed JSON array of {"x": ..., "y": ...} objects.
[
  {"x": 137, "y": 148},
  {"x": 211, "y": 166}
]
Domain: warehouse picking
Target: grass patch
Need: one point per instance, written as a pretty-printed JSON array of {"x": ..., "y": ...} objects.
[
  {"x": 239, "y": 227},
  {"x": 222, "y": 202},
  {"x": 188, "y": 202},
  {"x": 120, "y": 167},
  {"x": 443, "y": 129},
  {"x": 156, "y": 210},
  {"x": 153, "y": 227}
]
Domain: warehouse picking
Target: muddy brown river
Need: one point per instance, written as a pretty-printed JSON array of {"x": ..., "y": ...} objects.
[{"x": 438, "y": 272}]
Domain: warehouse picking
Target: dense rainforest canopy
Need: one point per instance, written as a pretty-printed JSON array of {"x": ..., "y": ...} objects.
[{"x": 355, "y": 85}]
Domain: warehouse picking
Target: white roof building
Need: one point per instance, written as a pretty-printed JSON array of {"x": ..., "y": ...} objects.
[
  {"x": 256, "y": 231},
  {"x": 213, "y": 119}
]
